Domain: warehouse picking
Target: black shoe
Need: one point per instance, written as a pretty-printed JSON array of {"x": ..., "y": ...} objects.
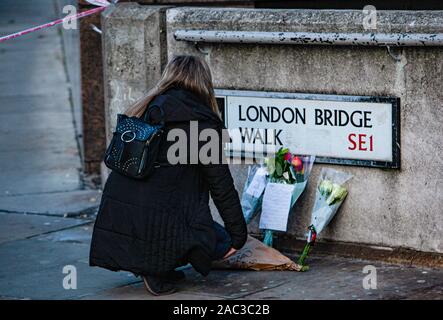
[
  {"x": 174, "y": 275},
  {"x": 158, "y": 286}
]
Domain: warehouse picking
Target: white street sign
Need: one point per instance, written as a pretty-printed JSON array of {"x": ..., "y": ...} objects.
[{"x": 335, "y": 127}]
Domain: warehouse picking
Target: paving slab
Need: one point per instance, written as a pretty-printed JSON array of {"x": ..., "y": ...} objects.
[
  {"x": 233, "y": 284},
  {"x": 218, "y": 285},
  {"x": 21, "y": 226},
  {"x": 342, "y": 279},
  {"x": 25, "y": 182},
  {"x": 34, "y": 268},
  {"x": 34, "y": 271},
  {"x": 33, "y": 104},
  {"x": 55, "y": 140},
  {"x": 331, "y": 278},
  {"x": 32, "y": 161},
  {"x": 43, "y": 121},
  {"x": 26, "y": 10},
  {"x": 43, "y": 66},
  {"x": 137, "y": 291},
  {"x": 11, "y": 89},
  {"x": 68, "y": 204},
  {"x": 38, "y": 42},
  {"x": 42, "y": 79}
]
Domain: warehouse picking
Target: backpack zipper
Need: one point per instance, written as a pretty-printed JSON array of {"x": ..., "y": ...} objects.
[{"x": 145, "y": 152}]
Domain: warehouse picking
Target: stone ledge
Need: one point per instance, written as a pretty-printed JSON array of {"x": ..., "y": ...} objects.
[
  {"x": 132, "y": 11},
  {"x": 306, "y": 20}
]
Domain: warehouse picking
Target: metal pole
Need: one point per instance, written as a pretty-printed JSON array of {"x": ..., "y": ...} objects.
[{"x": 311, "y": 38}]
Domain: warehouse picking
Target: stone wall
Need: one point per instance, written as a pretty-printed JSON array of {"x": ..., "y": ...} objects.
[{"x": 395, "y": 208}]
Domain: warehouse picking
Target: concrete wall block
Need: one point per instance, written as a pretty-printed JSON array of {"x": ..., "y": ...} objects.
[
  {"x": 121, "y": 95},
  {"x": 134, "y": 52},
  {"x": 398, "y": 208},
  {"x": 131, "y": 48}
]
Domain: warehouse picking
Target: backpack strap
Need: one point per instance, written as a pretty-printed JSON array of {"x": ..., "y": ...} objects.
[{"x": 156, "y": 103}]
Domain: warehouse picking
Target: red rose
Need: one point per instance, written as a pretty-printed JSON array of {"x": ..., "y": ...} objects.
[
  {"x": 313, "y": 237},
  {"x": 297, "y": 164},
  {"x": 287, "y": 156}
]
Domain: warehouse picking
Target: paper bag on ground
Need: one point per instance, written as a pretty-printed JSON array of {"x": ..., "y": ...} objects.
[{"x": 257, "y": 256}]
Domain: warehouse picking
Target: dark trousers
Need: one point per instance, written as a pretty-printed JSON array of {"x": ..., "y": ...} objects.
[
  {"x": 201, "y": 261},
  {"x": 223, "y": 241}
]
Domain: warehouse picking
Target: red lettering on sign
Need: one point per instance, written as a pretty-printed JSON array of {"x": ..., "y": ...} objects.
[
  {"x": 362, "y": 142},
  {"x": 354, "y": 145},
  {"x": 359, "y": 141}
]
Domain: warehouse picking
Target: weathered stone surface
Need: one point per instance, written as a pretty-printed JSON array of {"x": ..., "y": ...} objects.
[
  {"x": 134, "y": 54},
  {"x": 399, "y": 208},
  {"x": 303, "y": 20},
  {"x": 93, "y": 110}
]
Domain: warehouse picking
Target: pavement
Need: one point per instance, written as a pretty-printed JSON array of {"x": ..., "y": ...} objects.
[
  {"x": 47, "y": 213},
  {"x": 35, "y": 251},
  {"x": 39, "y": 155}
]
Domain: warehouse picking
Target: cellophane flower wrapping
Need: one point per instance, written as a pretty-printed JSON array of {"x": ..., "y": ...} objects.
[
  {"x": 292, "y": 169},
  {"x": 330, "y": 193},
  {"x": 252, "y": 195}
]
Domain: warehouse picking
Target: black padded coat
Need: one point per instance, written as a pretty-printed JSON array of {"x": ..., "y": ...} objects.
[{"x": 155, "y": 225}]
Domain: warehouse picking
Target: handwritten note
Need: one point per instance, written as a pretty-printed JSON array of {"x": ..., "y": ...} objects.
[
  {"x": 276, "y": 206},
  {"x": 258, "y": 183}
]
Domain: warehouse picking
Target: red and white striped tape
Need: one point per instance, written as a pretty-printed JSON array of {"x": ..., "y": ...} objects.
[{"x": 102, "y": 4}]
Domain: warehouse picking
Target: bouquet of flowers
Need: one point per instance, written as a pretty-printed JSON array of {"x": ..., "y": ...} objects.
[
  {"x": 288, "y": 176},
  {"x": 330, "y": 194}
]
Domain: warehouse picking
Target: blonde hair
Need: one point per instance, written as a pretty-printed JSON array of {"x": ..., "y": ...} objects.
[{"x": 184, "y": 71}]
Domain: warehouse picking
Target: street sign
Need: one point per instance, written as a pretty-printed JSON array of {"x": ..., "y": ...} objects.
[{"x": 339, "y": 129}]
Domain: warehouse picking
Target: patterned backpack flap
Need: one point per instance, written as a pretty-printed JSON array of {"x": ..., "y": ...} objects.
[{"x": 134, "y": 146}]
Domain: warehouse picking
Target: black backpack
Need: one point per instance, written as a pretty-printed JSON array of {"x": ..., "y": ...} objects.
[{"x": 134, "y": 147}]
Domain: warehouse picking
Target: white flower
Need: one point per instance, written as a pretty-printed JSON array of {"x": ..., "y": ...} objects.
[{"x": 286, "y": 175}]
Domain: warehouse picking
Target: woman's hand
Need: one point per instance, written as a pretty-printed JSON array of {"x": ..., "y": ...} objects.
[{"x": 230, "y": 253}]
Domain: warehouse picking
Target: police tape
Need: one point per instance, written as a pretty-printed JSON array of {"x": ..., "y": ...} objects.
[{"x": 102, "y": 5}]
